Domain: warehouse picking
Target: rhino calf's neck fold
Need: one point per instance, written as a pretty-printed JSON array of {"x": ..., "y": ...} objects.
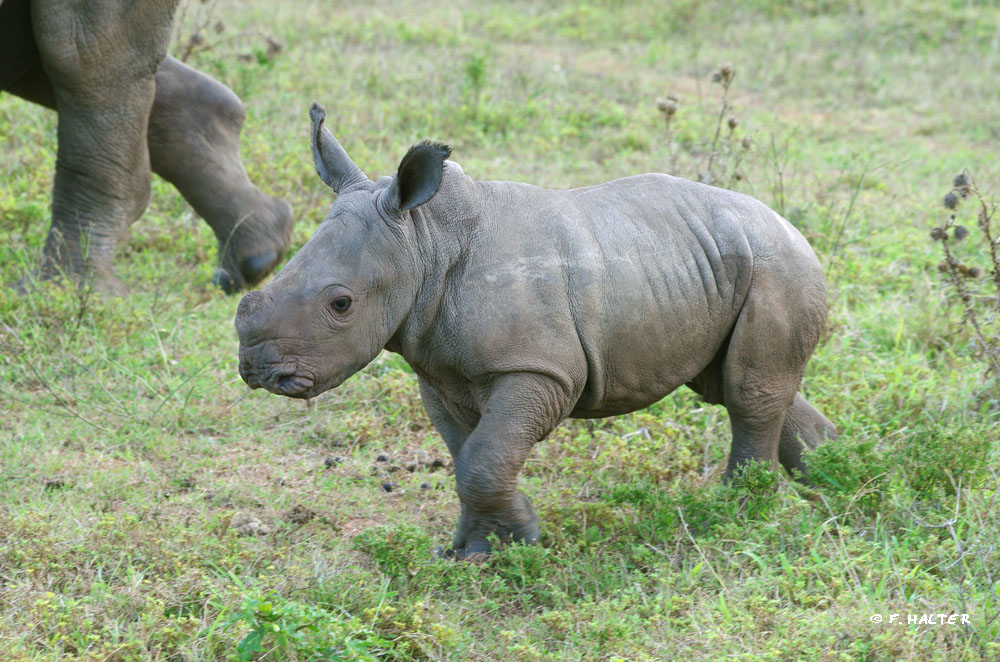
[{"x": 518, "y": 307}]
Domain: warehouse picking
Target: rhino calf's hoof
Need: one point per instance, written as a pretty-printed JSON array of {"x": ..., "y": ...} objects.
[
  {"x": 463, "y": 554},
  {"x": 517, "y": 522}
]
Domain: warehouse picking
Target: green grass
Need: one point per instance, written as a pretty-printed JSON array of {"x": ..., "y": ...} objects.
[{"x": 131, "y": 453}]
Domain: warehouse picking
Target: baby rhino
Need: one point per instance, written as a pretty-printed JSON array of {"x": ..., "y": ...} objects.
[{"x": 518, "y": 307}]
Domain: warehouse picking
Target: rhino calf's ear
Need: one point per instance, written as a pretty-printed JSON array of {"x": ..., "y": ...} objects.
[
  {"x": 333, "y": 165},
  {"x": 419, "y": 176}
]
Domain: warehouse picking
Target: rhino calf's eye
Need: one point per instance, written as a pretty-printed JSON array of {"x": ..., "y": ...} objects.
[{"x": 341, "y": 304}]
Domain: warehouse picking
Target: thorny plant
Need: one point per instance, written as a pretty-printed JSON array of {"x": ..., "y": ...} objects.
[
  {"x": 669, "y": 108},
  {"x": 724, "y": 77},
  {"x": 725, "y": 160},
  {"x": 980, "y": 306},
  {"x": 192, "y": 26},
  {"x": 721, "y": 151}
]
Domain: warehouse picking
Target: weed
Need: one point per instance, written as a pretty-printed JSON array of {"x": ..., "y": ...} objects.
[
  {"x": 724, "y": 77},
  {"x": 202, "y": 31},
  {"x": 662, "y": 513},
  {"x": 760, "y": 485},
  {"x": 668, "y": 107},
  {"x": 721, "y": 156},
  {"x": 979, "y": 297},
  {"x": 938, "y": 458},
  {"x": 475, "y": 77},
  {"x": 238, "y": 58},
  {"x": 299, "y": 631},
  {"x": 396, "y": 550},
  {"x": 851, "y": 467}
]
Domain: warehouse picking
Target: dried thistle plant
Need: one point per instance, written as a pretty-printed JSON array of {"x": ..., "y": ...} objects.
[
  {"x": 723, "y": 154},
  {"x": 979, "y": 297},
  {"x": 722, "y": 167},
  {"x": 668, "y": 107},
  {"x": 199, "y": 30},
  {"x": 724, "y": 77}
]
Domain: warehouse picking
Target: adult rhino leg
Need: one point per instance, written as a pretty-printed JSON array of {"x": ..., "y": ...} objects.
[
  {"x": 192, "y": 138},
  {"x": 520, "y": 411},
  {"x": 804, "y": 429},
  {"x": 100, "y": 58},
  {"x": 194, "y": 134},
  {"x": 773, "y": 338},
  {"x": 17, "y": 44}
]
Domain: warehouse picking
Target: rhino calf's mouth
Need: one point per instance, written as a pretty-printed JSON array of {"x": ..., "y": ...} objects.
[
  {"x": 285, "y": 380},
  {"x": 291, "y": 385}
]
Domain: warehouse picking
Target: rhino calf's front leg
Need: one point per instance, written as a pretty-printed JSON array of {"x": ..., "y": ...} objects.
[{"x": 521, "y": 409}]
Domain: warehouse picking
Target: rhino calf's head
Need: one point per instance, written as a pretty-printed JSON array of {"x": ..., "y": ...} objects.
[{"x": 342, "y": 297}]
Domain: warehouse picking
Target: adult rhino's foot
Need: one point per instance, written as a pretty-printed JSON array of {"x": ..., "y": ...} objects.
[
  {"x": 514, "y": 523},
  {"x": 254, "y": 246},
  {"x": 77, "y": 262},
  {"x": 194, "y": 143}
]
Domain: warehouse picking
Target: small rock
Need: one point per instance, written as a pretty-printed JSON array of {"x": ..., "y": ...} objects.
[
  {"x": 300, "y": 514},
  {"x": 332, "y": 461},
  {"x": 425, "y": 486},
  {"x": 55, "y": 483},
  {"x": 249, "y": 525},
  {"x": 389, "y": 487},
  {"x": 382, "y": 458}
]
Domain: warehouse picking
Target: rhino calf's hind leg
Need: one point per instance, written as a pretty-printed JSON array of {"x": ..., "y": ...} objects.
[
  {"x": 773, "y": 338},
  {"x": 194, "y": 131},
  {"x": 804, "y": 429}
]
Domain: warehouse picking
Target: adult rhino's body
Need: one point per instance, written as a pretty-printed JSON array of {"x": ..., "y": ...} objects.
[{"x": 518, "y": 306}]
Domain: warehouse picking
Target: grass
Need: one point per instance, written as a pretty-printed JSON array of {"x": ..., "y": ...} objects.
[{"x": 155, "y": 509}]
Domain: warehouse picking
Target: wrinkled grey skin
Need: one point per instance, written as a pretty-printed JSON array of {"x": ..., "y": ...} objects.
[
  {"x": 518, "y": 306},
  {"x": 125, "y": 108}
]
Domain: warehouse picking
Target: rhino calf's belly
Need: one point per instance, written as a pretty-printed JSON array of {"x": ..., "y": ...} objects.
[
  {"x": 624, "y": 402},
  {"x": 649, "y": 357}
]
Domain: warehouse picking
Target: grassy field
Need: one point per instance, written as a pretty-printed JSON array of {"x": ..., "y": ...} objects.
[{"x": 153, "y": 508}]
